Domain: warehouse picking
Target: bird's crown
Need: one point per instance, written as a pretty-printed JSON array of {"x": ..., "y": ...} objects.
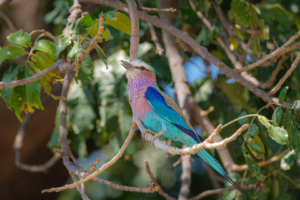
[{"x": 138, "y": 64}]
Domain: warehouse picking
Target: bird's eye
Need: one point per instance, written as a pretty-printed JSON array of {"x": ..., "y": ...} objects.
[{"x": 142, "y": 68}]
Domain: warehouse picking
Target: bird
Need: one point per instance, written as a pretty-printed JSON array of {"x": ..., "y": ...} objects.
[{"x": 160, "y": 114}]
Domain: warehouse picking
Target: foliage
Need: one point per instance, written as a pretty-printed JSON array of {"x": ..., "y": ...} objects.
[{"x": 99, "y": 114}]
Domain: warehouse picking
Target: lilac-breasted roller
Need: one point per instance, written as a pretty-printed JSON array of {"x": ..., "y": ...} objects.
[{"x": 161, "y": 114}]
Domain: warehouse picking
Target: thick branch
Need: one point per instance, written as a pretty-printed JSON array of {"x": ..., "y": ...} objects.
[{"x": 135, "y": 31}]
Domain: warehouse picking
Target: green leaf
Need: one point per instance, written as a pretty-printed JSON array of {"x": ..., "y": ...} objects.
[
  {"x": 106, "y": 36},
  {"x": 74, "y": 49},
  {"x": 256, "y": 146},
  {"x": 8, "y": 77},
  {"x": 282, "y": 94},
  {"x": 62, "y": 45},
  {"x": 253, "y": 166},
  {"x": 233, "y": 44},
  {"x": 264, "y": 121},
  {"x": 41, "y": 61},
  {"x": 120, "y": 22},
  {"x": 296, "y": 105},
  {"x": 288, "y": 161},
  {"x": 278, "y": 134},
  {"x": 111, "y": 14},
  {"x": 20, "y": 38},
  {"x": 25, "y": 97},
  {"x": 253, "y": 129},
  {"x": 85, "y": 73},
  {"x": 99, "y": 50},
  {"x": 45, "y": 46},
  {"x": 277, "y": 116},
  {"x": 243, "y": 120},
  {"x": 290, "y": 126},
  {"x": 11, "y": 53}
]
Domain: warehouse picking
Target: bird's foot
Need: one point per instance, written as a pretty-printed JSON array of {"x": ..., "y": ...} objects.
[
  {"x": 156, "y": 136},
  {"x": 146, "y": 131}
]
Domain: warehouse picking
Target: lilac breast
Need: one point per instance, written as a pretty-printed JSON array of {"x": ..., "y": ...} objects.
[{"x": 139, "y": 103}]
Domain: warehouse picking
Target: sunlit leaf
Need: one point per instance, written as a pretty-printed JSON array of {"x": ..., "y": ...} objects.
[
  {"x": 256, "y": 146},
  {"x": 288, "y": 161},
  {"x": 41, "y": 61},
  {"x": 278, "y": 134},
  {"x": 264, "y": 121},
  {"x": 11, "y": 53},
  {"x": 20, "y": 38},
  {"x": 74, "y": 49},
  {"x": 120, "y": 22},
  {"x": 25, "y": 97},
  {"x": 62, "y": 45},
  {"x": 45, "y": 46}
]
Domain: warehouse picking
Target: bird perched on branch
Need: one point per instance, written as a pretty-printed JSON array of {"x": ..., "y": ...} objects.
[{"x": 160, "y": 114}]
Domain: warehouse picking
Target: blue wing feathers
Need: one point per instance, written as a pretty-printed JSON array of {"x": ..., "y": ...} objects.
[{"x": 157, "y": 101}]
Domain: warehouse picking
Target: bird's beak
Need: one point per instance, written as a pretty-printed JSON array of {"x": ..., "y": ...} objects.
[{"x": 126, "y": 64}]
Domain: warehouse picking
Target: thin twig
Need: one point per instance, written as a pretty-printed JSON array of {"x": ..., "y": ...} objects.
[
  {"x": 102, "y": 168},
  {"x": 135, "y": 31},
  {"x": 18, "y": 144},
  {"x": 243, "y": 58},
  {"x": 154, "y": 38},
  {"x": 160, "y": 190},
  {"x": 150, "y": 189},
  {"x": 251, "y": 32},
  {"x": 165, "y": 10},
  {"x": 271, "y": 55},
  {"x": 8, "y": 21},
  {"x": 221, "y": 190},
  {"x": 287, "y": 74},
  {"x": 275, "y": 72},
  {"x": 229, "y": 29},
  {"x": 240, "y": 168}
]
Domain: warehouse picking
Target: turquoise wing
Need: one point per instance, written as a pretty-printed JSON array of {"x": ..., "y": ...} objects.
[{"x": 169, "y": 110}]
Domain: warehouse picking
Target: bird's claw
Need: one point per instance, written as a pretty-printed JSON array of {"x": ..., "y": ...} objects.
[
  {"x": 152, "y": 140},
  {"x": 146, "y": 131}
]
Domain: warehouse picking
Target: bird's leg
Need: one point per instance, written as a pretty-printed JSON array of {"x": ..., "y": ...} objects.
[
  {"x": 147, "y": 131},
  {"x": 163, "y": 130}
]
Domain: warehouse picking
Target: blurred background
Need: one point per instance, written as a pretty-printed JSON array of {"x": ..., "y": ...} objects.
[{"x": 99, "y": 115}]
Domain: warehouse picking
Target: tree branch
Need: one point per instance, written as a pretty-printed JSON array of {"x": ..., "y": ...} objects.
[
  {"x": 18, "y": 143},
  {"x": 221, "y": 190},
  {"x": 283, "y": 49},
  {"x": 240, "y": 168},
  {"x": 102, "y": 168},
  {"x": 230, "y": 31},
  {"x": 287, "y": 74},
  {"x": 135, "y": 31},
  {"x": 160, "y": 10},
  {"x": 154, "y": 38},
  {"x": 8, "y": 21},
  {"x": 160, "y": 190}
]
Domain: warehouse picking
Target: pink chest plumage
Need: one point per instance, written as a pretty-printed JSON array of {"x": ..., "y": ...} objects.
[{"x": 139, "y": 103}]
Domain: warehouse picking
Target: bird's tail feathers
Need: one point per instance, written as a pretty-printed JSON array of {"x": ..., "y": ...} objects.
[{"x": 216, "y": 166}]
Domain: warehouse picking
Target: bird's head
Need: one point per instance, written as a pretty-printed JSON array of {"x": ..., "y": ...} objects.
[{"x": 138, "y": 70}]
